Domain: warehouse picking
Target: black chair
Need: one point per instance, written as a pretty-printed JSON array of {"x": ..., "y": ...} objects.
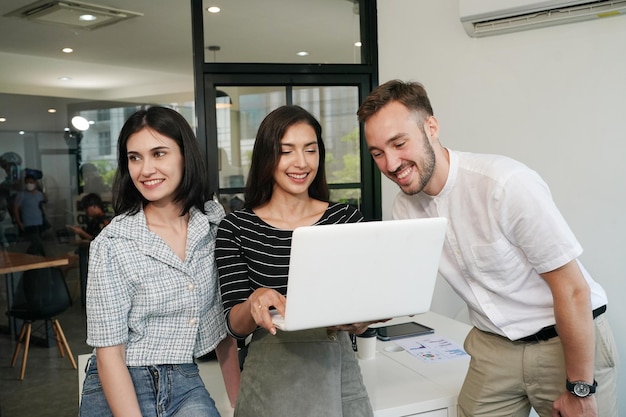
[{"x": 45, "y": 296}]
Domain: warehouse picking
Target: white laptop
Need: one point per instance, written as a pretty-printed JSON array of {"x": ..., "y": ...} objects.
[{"x": 356, "y": 272}]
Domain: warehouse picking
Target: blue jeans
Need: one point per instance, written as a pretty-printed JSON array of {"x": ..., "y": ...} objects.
[{"x": 162, "y": 391}]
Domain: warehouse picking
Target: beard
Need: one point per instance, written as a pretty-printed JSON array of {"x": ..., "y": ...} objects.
[{"x": 426, "y": 167}]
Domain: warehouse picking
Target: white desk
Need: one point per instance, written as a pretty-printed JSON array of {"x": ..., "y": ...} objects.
[
  {"x": 398, "y": 383},
  {"x": 411, "y": 386}
]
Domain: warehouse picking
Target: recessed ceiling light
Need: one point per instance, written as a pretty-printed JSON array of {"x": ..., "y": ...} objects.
[
  {"x": 358, "y": 44},
  {"x": 64, "y": 78},
  {"x": 3, "y": 119},
  {"x": 67, "y": 50},
  {"x": 214, "y": 9},
  {"x": 302, "y": 53},
  {"x": 87, "y": 18},
  {"x": 21, "y": 132},
  {"x": 52, "y": 110}
]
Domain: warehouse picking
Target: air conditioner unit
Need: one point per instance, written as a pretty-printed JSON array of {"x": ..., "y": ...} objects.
[{"x": 492, "y": 17}]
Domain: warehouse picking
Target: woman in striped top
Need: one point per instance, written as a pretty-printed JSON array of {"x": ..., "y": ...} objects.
[{"x": 307, "y": 372}]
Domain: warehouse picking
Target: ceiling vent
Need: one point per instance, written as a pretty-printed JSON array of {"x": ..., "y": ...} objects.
[{"x": 74, "y": 14}]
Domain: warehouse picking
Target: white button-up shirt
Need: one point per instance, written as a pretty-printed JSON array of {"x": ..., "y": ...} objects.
[{"x": 504, "y": 230}]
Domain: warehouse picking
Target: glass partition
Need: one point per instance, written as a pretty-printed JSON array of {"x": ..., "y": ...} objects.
[
  {"x": 237, "y": 124},
  {"x": 279, "y": 31}
]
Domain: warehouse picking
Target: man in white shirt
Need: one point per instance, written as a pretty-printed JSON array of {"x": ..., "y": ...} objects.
[{"x": 513, "y": 259}]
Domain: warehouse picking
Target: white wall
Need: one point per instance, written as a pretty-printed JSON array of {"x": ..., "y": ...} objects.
[{"x": 554, "y": 98}]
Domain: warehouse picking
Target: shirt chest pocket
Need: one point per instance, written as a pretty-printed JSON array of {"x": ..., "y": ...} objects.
[{"x": 499, "y": 264}]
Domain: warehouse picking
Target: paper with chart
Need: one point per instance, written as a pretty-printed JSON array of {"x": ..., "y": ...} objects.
[{"x": 432, "y": 348}]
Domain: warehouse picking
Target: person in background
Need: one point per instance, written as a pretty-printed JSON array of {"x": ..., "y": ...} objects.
[
  {"x": 93, "y": 181},
  {"x": 540, "y": 337},
  {"x": 4, "y": 207},
  {"x": 11, "y": 164},
  {"x": 94, "y": 208},
  {"x": 97, "y": 219},
  {"x": 152, "y": 300},
  {"x": 313, "y": 371},
  {"x": 29, "y": 215}
]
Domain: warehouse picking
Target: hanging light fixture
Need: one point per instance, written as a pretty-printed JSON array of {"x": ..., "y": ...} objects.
[
  {"x": 222, "y": 100},
  {"x": 80, "y": 123}
]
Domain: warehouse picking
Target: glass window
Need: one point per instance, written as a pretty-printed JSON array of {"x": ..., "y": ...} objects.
[
  {"x": 237, "y": 124},
  {"x": 97, "y": 146},
  {"x": 279, "y": 31}
]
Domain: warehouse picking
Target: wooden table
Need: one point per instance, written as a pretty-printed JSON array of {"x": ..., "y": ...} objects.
[{"x": 12, "y": 262}]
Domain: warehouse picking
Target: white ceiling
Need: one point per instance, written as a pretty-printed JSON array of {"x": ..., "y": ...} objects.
[
  {"x": 130, "y": 59},
  {"x": 151, "y": 55}
]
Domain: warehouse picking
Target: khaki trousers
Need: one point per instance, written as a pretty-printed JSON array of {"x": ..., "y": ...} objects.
[{"x": 506, "y": 378}]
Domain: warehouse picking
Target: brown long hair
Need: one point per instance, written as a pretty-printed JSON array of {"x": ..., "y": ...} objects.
[{"x": 267, "y": 150}]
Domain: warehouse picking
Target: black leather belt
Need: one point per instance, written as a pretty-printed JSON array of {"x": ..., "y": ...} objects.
[{"x": 549, "y": 332}]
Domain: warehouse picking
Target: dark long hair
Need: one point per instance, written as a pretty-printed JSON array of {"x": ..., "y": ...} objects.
[
  {"x": 267, "y": 150},
  {"x": 193, "y": 190}
]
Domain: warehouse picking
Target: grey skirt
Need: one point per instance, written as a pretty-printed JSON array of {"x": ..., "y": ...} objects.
[{"x": 306, "y": 373}]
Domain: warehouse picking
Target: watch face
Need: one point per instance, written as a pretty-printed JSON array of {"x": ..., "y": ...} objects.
[{"x": 582, "y": 390}]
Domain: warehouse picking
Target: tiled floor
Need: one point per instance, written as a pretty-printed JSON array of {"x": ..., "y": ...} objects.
[{"x": 50, "y": 386}]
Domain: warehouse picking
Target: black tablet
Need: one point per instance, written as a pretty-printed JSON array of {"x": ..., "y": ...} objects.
[{"x": 398, "y": 331}]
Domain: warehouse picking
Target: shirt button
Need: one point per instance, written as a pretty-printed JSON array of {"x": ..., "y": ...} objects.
[
  {"x": 192, "y": 322},
  {"x": 191, "y": 286}
]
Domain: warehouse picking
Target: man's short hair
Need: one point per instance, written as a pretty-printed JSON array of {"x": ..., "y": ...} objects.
[{"x": 92, "y": 199}]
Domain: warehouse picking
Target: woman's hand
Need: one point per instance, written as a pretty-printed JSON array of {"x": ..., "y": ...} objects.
[{"x": 259, "y": 304}]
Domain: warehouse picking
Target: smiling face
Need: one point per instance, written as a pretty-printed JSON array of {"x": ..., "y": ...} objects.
[
  {"x": 400, "y": 144},
  {"x": 155, "y": 164},
  {"x": 299, "y": 160}
]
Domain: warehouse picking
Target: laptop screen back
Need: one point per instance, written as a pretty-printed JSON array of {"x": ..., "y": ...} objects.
[{"x": 356, "y": 272}]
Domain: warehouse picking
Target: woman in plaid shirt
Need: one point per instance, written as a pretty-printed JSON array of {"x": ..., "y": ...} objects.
[{"x": 152, "y": 299}]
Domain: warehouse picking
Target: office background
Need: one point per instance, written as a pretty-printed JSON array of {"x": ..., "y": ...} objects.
[{"x": 553, "y": 98}]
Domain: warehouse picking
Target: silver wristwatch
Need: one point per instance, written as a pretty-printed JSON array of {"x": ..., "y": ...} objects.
[{"x": 581, "y": 388}]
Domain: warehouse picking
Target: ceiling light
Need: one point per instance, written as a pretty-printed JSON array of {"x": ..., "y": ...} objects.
[
  {"x": 213, "y": 9},
  {"x": 52, "y": 110},
  {"x": 87, "y": 18},
  {"x": 67, "y": 50},
  {"x": 21, "y": 132},
  {"x": 65, "y": 78},
  {"x": 74, "y": 14},
  {"x": 302, "y": 53},
  {"x": 3, "y": 119},
  {"x": 80, "y": 123},
  {"x": 358, "y": 44}
]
